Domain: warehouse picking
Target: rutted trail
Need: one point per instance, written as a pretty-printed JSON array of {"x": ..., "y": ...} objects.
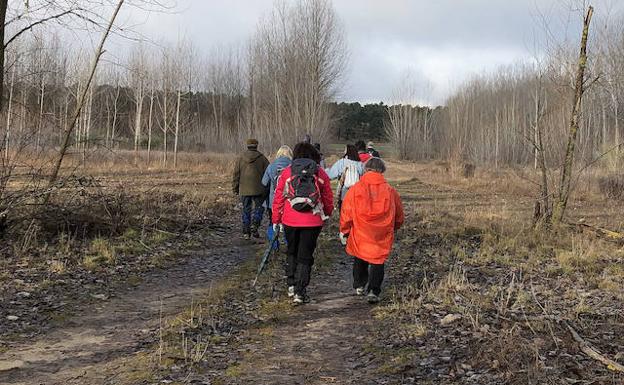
[
  {"x": 319, "y": 343},
  {"x": 119, "y": 327}
]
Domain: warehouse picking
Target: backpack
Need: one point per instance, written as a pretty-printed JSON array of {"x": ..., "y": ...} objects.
[
  {"x": 374, "y": 153},
  {"x": 352, "y": 176},
  {"x": 302, "y": 188}
]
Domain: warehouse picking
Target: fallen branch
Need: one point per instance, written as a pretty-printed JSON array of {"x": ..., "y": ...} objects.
[
  {"x": 593, "y": 353},
  {"x": 605, "y": 233}
]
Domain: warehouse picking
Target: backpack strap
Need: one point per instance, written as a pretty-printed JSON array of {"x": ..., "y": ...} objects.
[{"x": 287, "y": 186}]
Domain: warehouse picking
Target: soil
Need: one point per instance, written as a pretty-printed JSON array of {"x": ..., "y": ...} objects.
[
  {"x": 117, "y": 327},
  {"x": 319, "y": 343}
]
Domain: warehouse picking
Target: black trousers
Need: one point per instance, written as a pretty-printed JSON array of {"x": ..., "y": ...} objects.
[
  {"x": 301, "y": 246},
  {"x": 365, "y": 273}
]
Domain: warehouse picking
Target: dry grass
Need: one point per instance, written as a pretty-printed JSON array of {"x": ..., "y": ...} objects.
[
  {"x": 473, "y": 241},
  {"x": 612, "y": 186},
  {"x": 468, "y": 248}
]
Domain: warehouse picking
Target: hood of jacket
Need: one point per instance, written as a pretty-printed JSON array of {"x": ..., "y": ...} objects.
[
  {"x": 251, "y": 156},
  {"x": 373, "y": 198},
  {"x": 282, "y": 162},
  {"x": 373, "y": 178}
]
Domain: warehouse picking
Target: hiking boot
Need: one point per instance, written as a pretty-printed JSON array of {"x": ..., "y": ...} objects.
[
  {"x": 372, "y": 298},
  {"x": 300, "y": 299},
  {"x": 291, "y": 291},
  {"x": 360, "y": 291},
  {"x": 246, "y": 232}
]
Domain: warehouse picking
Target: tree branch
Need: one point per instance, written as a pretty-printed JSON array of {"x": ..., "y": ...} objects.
[{"x": 38, "y": 22}]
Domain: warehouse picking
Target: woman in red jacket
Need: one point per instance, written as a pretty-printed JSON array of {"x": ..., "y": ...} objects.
[{"x": 303, "y": 201}]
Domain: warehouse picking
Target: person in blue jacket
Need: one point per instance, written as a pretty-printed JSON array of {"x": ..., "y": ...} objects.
[{"x": 283, "y": 158}]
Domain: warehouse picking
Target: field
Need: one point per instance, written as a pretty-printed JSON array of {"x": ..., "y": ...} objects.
[{"x": 138, "y": 275}]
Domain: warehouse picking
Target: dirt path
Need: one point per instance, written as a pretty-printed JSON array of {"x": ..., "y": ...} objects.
[
  {"x": 117, "y": 327},
  {"x": 319, "y": 343}
]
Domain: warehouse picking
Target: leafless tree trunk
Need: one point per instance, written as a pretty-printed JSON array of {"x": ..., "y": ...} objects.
[
  {"x": 165, "y": 127},
  {"x": 149, "y": 125},
  {"x": 177, "y": 130},
  {"x": 137, "y": 81},
  {"x": 566, "y": 174},
  {"x": 7, "y": 134},
  {"x": 3, "y": 11},
  {"x": 113, "y": 131},
  {"x": 41, "y": 103},
  {"x": 87, "y": 124},
  {"x": 138, "y": 118}
]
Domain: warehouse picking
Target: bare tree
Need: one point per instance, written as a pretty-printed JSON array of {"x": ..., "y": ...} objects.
[
  {"x": 296, "y": 62},
  {"x": 566, "y": 174},
  {"x": 138, "y": 75},
  {"x": 68, "y": 132}
]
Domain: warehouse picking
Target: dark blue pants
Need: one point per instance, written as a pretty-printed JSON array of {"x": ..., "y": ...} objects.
[{"x": 252, "y": 211}]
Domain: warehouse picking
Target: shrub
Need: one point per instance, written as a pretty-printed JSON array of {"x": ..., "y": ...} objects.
[{"x": 612, "y": 186}]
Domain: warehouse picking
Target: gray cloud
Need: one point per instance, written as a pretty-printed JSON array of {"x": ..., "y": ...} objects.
[{"x": 440, "y": 43}]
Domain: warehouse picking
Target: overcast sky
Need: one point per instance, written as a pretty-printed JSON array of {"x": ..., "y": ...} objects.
[{"x": 439, "y": 43}]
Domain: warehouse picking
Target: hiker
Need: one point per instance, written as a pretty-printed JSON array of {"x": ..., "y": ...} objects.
[
  {"x": 371, "y": 213},
  {"x": 370, "y": 148},
  {"x": 303, "y": 202},
  {"x": 318, "y": 148},
  {"x": 361, "y": 148},
  {"x": 247, "y": 183},
  {"x": 283, "y": 158},
  {"x": 349, "y": 169}
]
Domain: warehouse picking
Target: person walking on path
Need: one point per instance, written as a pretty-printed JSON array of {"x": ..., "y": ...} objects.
[
  {"x": 303, "y": 202},
  {"x": 283, "y": 158},
  {"x": 371, "y": 213},
  {"x": 361, "y": 148},
  {"x": 348, "y": 169},
  {"x": 318, "y": 148},
  {"x": 247, "y": 183},
  {"x": 370, "y": 148}
]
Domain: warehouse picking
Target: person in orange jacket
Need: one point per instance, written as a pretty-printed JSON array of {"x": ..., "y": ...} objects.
[{"x": 371, "y": 213}]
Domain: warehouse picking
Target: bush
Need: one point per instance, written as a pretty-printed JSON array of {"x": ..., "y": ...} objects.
[
  {"x": 468, "y": 170},
  {"x": 612, "y": 186}
]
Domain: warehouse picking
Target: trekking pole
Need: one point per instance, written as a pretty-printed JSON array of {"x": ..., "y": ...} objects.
[{"x": 267, "y": 254}]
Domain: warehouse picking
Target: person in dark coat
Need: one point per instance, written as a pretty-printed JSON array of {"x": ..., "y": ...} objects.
[
  {"x": 317, "y": 146},
  {"x": 247, "y": 183},
  {"x": 361, "y": 148},
  {"x": 370, "y": 148}
]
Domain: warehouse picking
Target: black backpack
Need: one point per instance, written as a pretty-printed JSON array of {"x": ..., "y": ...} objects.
[
  {"x": 374, "y": 153},
  {"x": 302, "y": 188}
]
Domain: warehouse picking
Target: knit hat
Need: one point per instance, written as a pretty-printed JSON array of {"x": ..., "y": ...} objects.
[
  {"x": 370, "y": 145},
  {"x": 252, "y": 142}
]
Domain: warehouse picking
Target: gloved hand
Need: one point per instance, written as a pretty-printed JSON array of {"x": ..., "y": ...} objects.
[{"x": 343, "y": 238}]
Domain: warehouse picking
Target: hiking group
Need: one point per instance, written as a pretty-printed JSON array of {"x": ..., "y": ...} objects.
[{"x": 295, "y": 189}]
